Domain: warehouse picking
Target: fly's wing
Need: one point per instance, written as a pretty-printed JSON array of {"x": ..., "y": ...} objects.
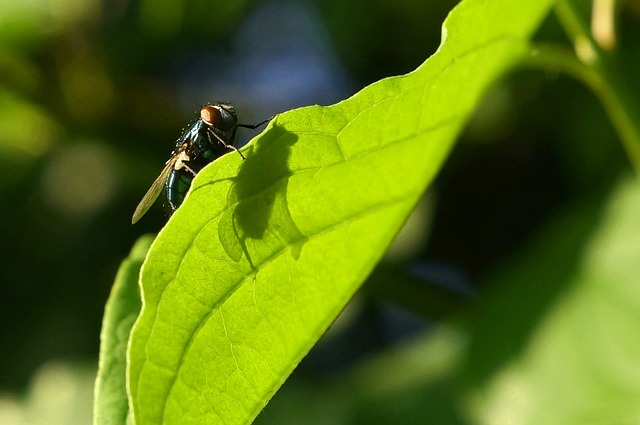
[{"x": 154, "y": 191}]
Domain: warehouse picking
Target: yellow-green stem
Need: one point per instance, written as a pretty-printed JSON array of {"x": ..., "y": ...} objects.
[{"x": 595, "y": 67}]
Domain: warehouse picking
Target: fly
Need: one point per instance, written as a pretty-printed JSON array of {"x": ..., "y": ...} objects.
[{"x": 209, "y": 137}]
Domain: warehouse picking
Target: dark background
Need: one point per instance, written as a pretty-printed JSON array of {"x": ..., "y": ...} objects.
[{"x": 94, "y": 93}]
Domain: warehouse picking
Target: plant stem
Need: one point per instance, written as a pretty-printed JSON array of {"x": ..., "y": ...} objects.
[
  {"x": 561, "y": 59},
  {"x": 603, "y": 23},
  {"x": 596, "y": 69}
]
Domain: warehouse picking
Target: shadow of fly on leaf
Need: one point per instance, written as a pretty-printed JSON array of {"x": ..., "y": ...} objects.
[{"x": 258, "y": 215}]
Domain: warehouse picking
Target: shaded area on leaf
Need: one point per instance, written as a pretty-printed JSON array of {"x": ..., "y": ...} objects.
[
  {"x": 111, "y": 403},
  {"x": 259, "y": 196}
]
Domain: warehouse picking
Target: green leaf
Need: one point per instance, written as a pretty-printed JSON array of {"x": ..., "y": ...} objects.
[
  {"x": 266, "y": 252},
  {"x": 556, "y": 342},
  {"x": 123, "y": 306}
]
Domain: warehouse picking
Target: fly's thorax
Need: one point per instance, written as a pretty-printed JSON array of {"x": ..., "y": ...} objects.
[
  {"x": 211, "y": 144},
  {"x": 189, "y": 134}
]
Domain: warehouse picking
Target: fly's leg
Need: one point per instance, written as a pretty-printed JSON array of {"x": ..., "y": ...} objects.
[
  {"x": 182, "y": 162},
  {"x": 233, "y": 148},
  {"x": 249, "y": 126},
  {"x": 254, "y": 126}
]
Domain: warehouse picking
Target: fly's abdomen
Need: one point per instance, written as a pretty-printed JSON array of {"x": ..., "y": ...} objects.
[{"x": 177, "y": 186}]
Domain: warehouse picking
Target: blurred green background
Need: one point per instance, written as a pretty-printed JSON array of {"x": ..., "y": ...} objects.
[{"x": 522, "y": 259}]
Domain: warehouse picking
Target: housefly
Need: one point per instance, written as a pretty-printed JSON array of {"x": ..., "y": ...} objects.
[{"x": 209, "y": 137}]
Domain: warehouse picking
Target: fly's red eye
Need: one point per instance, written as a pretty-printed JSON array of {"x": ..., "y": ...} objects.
[{"x": 211, "y": 115}]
